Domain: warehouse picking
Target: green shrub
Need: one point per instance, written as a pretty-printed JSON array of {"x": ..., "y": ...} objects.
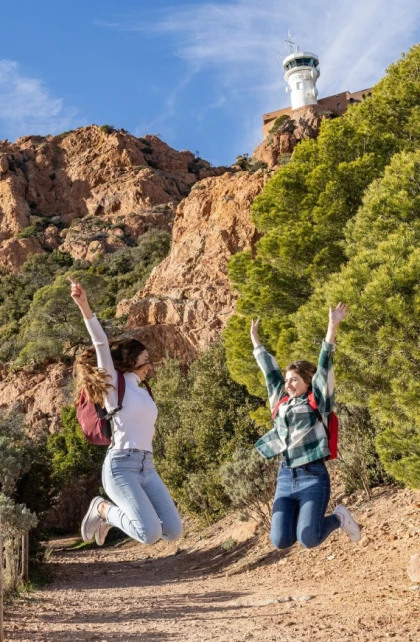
[
  {"x": 65, "y": 134},
  {"x": 250, "y": 481},
  {"x": 283, "y": 124},
  {"x": 203, "y": 417},
  {"x": 53, "y": 326},
  {"x": 229, "y": 545},
  {"x": 72, "y": 456},
  {"x": 359, "y": 464},
  {"x": 250, "y": 164},
  {"x": 15, "y": 518},
  {"x": 378, "y": 361},
  {"x": 29, "y": 232},
  {"x": 107, "y": 129}
]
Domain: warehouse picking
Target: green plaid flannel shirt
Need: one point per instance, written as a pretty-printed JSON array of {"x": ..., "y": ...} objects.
[{"x": 297, "y": 433}]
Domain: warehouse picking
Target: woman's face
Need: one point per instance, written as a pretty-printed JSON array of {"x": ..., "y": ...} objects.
[
  {"x": 295, "y": 385},
  {"x": 143, "y": 365}
]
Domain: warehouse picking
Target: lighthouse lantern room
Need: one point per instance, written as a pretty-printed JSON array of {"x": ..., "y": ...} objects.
[{"x": 301, "y": 73}]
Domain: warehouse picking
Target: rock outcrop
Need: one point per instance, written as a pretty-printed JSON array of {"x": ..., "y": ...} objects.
[
  {"x": 188, "y": 299},
  {"x": 89, "y": 192},
  {"x": 303, "y": 123},
  {"x": 413, "y": 569},
  {"x": 39, "y": 395}
]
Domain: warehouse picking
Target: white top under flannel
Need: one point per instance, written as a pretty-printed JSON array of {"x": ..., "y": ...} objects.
[{"x": 297, "y": 434}]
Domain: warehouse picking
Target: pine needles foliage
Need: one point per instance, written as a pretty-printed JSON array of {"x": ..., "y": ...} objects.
[{"x": 341, "y": 222}]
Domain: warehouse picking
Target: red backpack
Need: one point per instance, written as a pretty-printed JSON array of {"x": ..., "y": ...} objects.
[
  {"x": 331, "y": 429},
  {"x": 95, "y": 421}
]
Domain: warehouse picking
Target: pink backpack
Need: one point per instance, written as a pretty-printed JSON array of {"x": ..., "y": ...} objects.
[{"x": 95, "y": 421}]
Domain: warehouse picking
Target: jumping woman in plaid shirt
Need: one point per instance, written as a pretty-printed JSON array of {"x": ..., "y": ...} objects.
[{"x": 303, "y": 484}]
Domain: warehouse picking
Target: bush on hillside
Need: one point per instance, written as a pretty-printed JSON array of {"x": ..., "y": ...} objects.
[
  {"x": 283, "y": 124},
  {"x": 359, "y": 463},
  {"x": 76, "y": 472},
  {"x": 17, "y": 292},
  {"x": 38, "y": 319},
  {"x": 250, "y": 164},
  {"x": 203, "y": 417},
  {"x": 72, "y": 456},
  {"x": 250, "y": 481},
  {"x": 107, "y": 129},
  {"x": 53, "y": 327},
  {"x": 15, "y": 518}
]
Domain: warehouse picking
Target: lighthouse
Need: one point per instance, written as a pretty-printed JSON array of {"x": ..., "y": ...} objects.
[{"x": 301, "y": 73}]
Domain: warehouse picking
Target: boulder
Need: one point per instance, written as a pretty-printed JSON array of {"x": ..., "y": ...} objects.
[{"x": 413, "y": 568}]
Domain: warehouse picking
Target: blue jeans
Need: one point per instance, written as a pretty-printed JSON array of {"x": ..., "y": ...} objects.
[
  {"x": 300, "y": 502},
  {"x": 143, "y": 508}
]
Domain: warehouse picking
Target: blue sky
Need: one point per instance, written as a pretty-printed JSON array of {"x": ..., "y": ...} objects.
[{"x": 200, "y": 74}]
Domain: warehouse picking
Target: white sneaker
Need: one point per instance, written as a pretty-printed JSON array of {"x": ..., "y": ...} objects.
[
  {"x": 91, "y": 520},
  {"x": 102, "y": 532},
  {"x": 347, "y": 523}
]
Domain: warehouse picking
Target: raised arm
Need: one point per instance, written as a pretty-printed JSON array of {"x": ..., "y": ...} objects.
[
  {"x": 272, "y": 374},
  {"x": 98, "y": 336},
  {"x": 323, "y": 379}
]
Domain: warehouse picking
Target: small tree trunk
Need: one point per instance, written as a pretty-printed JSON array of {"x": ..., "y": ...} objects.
[
  {"x": 25, "y": 556},
  {"x": 1, "y": 585}
]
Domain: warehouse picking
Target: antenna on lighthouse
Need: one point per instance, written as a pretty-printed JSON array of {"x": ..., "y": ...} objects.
[{"x": 290, "y": 43}]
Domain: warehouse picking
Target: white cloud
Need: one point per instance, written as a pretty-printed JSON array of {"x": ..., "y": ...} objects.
[
  {"x": 27, "y": 107},
  {"x": 241, "y": 42}
]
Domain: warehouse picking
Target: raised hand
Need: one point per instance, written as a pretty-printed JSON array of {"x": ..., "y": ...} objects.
[
  {"x": 254, "y": 332},
  {"x": 79, "y": 296},
  {"x": 336, "y": 316}
]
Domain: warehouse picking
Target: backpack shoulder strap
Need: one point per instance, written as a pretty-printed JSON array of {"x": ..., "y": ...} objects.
[
  {"x": 278, "y": 404},
  {"x": 121, "y": 388},
  {"x": 148, "y": 388},
  {"x": 312, "y": 403},
  {"x": 121, "y": 393}
]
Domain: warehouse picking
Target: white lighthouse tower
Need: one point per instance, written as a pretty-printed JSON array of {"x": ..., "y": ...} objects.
[{"x": 301, "y": 73}]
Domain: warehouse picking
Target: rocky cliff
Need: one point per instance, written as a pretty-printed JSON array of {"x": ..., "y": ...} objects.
[
  {"x": 187, "y": 299},
  {"x": 288, "y": 131},
  {"x": 91, "y": 191},
  {"x": 95, "y": 191}
]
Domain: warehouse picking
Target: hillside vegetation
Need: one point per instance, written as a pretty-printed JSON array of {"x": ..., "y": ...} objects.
[{"x": 341, "y": 222}]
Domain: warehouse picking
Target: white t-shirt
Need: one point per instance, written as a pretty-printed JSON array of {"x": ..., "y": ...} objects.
[{"x": 134, "y": 424}]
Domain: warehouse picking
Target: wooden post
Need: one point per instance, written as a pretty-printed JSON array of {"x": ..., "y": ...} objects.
[
  {"x": 1, "y": 586},
  {"x": 25, "y": 556}
]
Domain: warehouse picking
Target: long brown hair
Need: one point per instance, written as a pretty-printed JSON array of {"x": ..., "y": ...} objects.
[
  {"x": 303, "y": 368},
  {"x": 95, "y": 382}
]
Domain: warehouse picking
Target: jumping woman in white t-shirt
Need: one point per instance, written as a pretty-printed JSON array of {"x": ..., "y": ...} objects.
[{"x": 141, "y": 505}]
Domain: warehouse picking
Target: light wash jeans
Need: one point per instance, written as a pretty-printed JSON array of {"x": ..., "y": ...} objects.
[
  {"x": 143, "y": 509},
  {"x": 300, "y": 502}
]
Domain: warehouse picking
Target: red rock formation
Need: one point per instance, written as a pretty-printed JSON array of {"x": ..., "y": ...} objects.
[
  {"x": 105, "y": 188},
  {"x": 303, "y": 123},
  {"x": 111, "y": 185},
  {"x": 39, "y": 395},
  {"x": 187, "y": 299}
]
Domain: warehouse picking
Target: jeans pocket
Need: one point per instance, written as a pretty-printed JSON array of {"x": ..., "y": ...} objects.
[
  {"x": 119, "y": 455},
  {"x": 315, "y": 469}
]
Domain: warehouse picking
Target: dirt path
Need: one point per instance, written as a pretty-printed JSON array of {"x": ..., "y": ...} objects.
[{"x": 202, "y": 592}]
